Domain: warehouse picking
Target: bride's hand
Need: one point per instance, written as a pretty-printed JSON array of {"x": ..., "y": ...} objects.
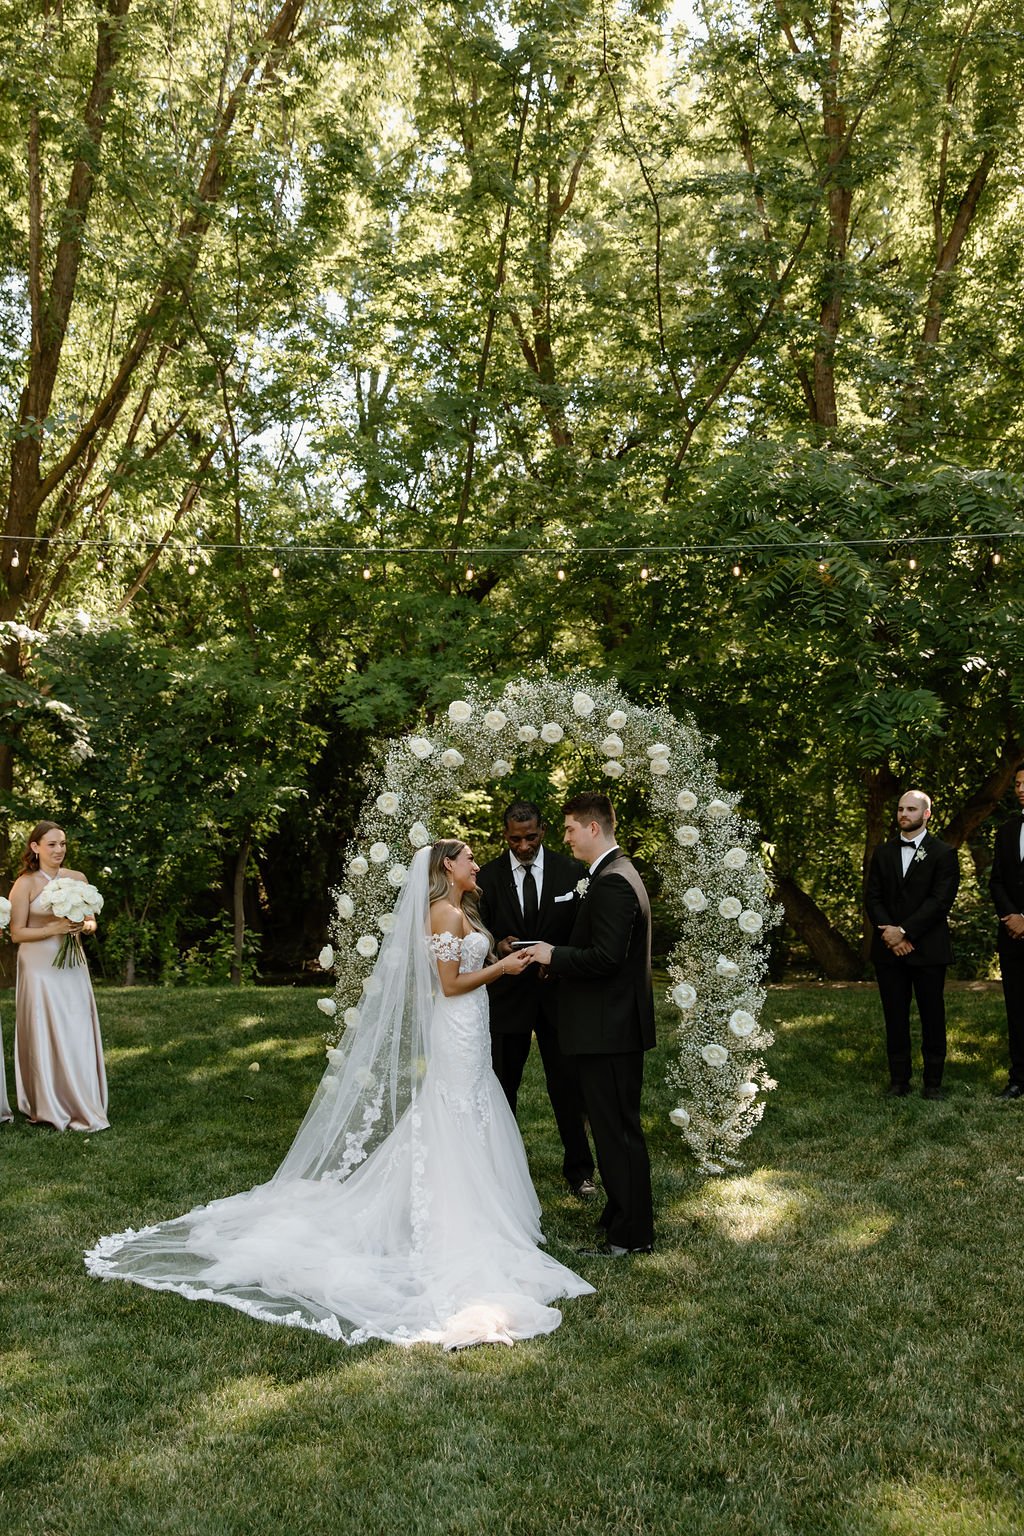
[{"x": 517, "y": 961}]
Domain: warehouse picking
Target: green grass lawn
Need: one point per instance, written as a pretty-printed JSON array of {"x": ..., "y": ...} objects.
[{"x": 828, "y": 1342}]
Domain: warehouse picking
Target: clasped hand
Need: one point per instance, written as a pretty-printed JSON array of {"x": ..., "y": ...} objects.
[{"x": 896, "y": 939}]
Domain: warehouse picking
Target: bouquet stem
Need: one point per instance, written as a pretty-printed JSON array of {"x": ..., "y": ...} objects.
[{"x": 70, "y": 952}]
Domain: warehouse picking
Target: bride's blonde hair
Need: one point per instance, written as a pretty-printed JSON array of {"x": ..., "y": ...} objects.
[{"x": 439, "y": 888}]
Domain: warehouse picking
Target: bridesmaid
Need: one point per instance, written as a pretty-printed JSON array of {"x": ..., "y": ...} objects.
[{"x": 58, "y": 1054}]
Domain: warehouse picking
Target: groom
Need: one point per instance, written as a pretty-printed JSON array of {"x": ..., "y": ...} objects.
[{"x": 606, "y": 1016}]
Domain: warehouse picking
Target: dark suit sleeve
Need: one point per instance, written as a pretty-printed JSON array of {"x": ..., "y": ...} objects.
[
  {"x": 612, "y": 914},
  {"x": 874, "y": 898},
  {"x": 1005, "y": 903},
  {"x": 937, "y": 904}
]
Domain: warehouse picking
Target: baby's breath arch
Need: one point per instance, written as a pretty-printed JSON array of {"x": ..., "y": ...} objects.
[{"x": 713, "y": 878}]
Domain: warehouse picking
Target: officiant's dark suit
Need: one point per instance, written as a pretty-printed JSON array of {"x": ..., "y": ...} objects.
[
  {"x": 1006, "y": 884},
  {"x": 525, "y": 1005},
  {"x": 606, "y": 1022},
  {"x": 918, "y": 902}
]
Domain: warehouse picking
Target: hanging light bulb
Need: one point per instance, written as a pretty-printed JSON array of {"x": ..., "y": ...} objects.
[
  {"x": 276, "y": 573},
  {"x": 644, "y": 572},
  {"x": 366, "y": 573},
  {"x": 99, "y": 563},
  {"x": 192, "y": 566},
  {"x": 15, "y": 562},
  {"x": 469, "y": 573},
  {"x": 912, "y": 563},
  {"x": 560, "y": 574},
  {"x": 736, "y": 570},
  {"x": 997, "y": 558}
]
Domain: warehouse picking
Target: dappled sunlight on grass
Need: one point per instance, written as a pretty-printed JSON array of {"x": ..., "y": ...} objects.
[
  {"x": 932, "y": 1506},
  {"x": 764, "y": 1204}
]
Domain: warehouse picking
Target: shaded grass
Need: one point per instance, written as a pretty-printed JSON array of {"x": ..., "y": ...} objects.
[{"x": 825, "y": 1343}]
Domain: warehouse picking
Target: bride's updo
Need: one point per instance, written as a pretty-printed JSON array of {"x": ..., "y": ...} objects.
[{"x": 439, "y": 888}]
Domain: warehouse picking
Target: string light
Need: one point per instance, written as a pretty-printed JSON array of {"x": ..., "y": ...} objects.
[
  {"x": 912, "y": 563},
  {"x": 276, "y": 573},
  {"x": 99, "y": 563},
  {"x": 15, "y": 562},
  {"x": 996, "y": 558},
  {"x": 469, "y": 573},
  {"x": 366, "y": 573},
  {"x": 560, "y": 573},
  {"x": 736, "y": 571},
  {"x": 644, "y": 572}
]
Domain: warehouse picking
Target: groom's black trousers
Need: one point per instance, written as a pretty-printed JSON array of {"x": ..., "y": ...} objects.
[{"x": 611, "y": 1087}]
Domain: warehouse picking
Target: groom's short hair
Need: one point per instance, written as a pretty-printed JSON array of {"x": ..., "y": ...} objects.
[
  {"x": 522, "y": 810},
  {"x": 592, "y": 807}
]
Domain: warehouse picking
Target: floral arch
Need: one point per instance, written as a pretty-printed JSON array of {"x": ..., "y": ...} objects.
[{"x": 713, "y": 879}]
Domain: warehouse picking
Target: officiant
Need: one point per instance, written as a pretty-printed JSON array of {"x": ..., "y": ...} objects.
[{"x": 529, "y": 892}]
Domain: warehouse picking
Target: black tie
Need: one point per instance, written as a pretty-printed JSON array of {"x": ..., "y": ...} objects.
[
  {"x": 529, "y": 902},
  {"x": 905, "y": 844}
]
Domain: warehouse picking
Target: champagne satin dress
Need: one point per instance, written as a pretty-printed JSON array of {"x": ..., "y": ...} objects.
[
  {"x": 58, "y": 1054},
  {"x": 5, "y": 1108}
]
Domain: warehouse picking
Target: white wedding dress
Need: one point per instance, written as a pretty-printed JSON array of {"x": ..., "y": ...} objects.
[{"x": 431, "y": 1236}]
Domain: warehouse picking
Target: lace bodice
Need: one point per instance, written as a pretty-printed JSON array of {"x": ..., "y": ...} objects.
[{"x": 470, "y": 952}]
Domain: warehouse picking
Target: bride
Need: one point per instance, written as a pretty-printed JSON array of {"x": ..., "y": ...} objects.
[{"x": 403, "y": 1209}]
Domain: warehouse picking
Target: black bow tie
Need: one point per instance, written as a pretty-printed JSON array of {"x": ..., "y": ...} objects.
[{"x": 905, "y": 844}]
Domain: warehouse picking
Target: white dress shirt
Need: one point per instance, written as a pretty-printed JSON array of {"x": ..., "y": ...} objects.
[
  {"x": 911, "y": 853},
  {"x": 519, "y": 874}
]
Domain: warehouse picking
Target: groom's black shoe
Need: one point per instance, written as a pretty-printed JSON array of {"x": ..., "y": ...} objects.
[
  {"x": 897, "y": 1091},
  {"x": 586, "y": 1189},
  {"x": 1011, "y": 1091},
  {"x": 611, "y": 1251}
]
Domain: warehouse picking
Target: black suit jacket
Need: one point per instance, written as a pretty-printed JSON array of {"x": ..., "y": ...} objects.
[
  {"x": 516, "y": 1001},
  {"x": 605, "y": 995},
  {"x": 1006, "y": 882},
  {"x": 919, "y": 904}
]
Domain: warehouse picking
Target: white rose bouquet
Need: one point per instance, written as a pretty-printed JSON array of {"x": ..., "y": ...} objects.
[
  {"x": 75, "y": 900},
  {"x": 5, "y": 912}
]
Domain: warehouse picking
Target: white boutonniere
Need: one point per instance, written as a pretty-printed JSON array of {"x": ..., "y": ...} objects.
[
  {"x": 922, "y": 853},
  {"x": 583, "y": 886}
]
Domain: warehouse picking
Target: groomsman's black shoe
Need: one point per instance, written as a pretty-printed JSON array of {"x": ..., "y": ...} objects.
[
  {"x": 897, "y": 1090},
  {"x": 1011, "y": 1091},
  {"x": 586, "y": 1189},
  {"x": 932, "y": 1091},
  {"x": 611, "y": 1251}
]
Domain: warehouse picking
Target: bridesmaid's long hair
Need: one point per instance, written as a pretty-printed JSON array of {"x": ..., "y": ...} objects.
[
  {"x": 438, "y": 888},
  {"x": 30, "y": 859}
]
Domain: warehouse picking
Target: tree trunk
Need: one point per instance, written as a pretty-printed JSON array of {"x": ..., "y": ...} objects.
[
  {"x": 979, "y": 806},
  {"x": 835, "y": 954},
  {"x": 238, "y": 908},
  {"x": 882, "y": 785}
]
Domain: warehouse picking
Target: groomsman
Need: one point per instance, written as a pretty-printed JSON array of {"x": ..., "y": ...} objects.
[
  {"x": 1007, "y": 886},
  {"x": 606, "y": 1017},
  {"x": 912, "y": 884},
  {"x": 530, "y": 893}
]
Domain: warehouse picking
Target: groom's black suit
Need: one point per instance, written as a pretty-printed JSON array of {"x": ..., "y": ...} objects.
[
  {"x": 1007, "y": 886},
  {"x": 606, "y": 1021},
  {"x": 919, "y": 903},
  {"x": 525, "y": 1005}
]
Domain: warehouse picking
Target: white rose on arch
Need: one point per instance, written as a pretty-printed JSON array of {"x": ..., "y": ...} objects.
[
  {"x": 351, "y": 1017},
  {"x": 746, "y": 1091},
  {"x": 325, "y": 959},
  {"x": 396, "y": 876},
  {"x": 459, "y": 711},
  {"x": 451, "y": 758},
  {"x": 583, "y": 705},
  {"x": 386, "y": 921},
  {"x": 367, "y": 946},
  {"x": 694, "y": 899},
  {"x": 687, "y": 837},
  {"x": 680, "y": 1117},
  {"x": 726, "y": 967},
  {"x": 551, "y": 732},
  {"x": 388, "y": 803},
  {"x": 617, "y": 719},
  {"x": 612, "y": 769},
  {"x": 660, "y": 767},
  {"x": 751, "y": 922},
  {"x": 714, "y": 1054},
  {"x": 418, "y": 835},
  {"x": 742, "y": 1024},
  {"x": 495, "y": 720},
  {"x": 420, "y": 747},
  {"x": 346, "y": 907},
  {"x": 686, "y": 800},
  {"x": 500, "y": 768},
  {"x": 659, "y": 749},
  {"x": 379, "y": 853},
  {"x": 718, "y": 810},
  {"x": 684, "y": 996},
  {"x": 327, "y": 1005},
  {"x": 612, "y": 746},
  {"x": 528, "y": 733},
  {"x": 729, "y": 907},
  {"x": 736, "y": 858},
  {"x": 358, "y": 866}
]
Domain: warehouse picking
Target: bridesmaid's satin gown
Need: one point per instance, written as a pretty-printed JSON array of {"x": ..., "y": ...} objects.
[{"x": 58, "y": 1053}]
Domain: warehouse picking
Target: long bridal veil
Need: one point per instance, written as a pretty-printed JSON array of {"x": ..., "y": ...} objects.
[{"x": 403, "y": 1209}]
